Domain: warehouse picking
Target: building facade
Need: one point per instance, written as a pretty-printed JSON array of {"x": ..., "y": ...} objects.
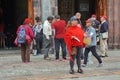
[{"x": 20, "y": 9}]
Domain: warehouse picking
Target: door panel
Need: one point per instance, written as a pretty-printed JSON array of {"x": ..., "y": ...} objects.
[{"x": 65, "y": 8}]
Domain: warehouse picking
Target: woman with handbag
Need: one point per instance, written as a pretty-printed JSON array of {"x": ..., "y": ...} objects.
[
  {"x": 74, "y": 41},
  {"x": 91, "y": 33}
]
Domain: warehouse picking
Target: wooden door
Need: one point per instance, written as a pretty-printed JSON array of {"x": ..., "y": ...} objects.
[
  {"x": 101, "y": 7},
  {"x": 31, "y": 10},
  {"x": 66, "y": 9}
]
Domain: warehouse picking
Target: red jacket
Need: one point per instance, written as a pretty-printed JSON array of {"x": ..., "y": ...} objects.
[
  {"x": 29, "y": 33},
  {"x": 74, "y": 31}
]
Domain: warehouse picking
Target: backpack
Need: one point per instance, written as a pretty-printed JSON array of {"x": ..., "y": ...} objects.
[{"x": 21, "y": 36}]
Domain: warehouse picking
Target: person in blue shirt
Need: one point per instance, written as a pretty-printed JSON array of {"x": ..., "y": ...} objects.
[{"x": 91, "y": 33}]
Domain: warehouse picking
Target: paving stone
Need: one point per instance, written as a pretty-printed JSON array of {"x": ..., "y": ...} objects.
[{"x": 11, "y": 68}]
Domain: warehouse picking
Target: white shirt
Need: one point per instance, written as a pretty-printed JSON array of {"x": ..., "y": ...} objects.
[
  {"x": 38, "y": 28},
  {"x": 103, "y": 21},
  {"x": 47, "y": 29}
]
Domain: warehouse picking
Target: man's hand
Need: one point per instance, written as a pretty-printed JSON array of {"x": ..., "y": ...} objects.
[{"x": 47, "y": 37}]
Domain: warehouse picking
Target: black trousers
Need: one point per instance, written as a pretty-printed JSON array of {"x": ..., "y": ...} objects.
[
  {"x": 93, "y": 50},
  {"x": 77, "y": 57},
  {"x": 58, "y": 43},
  {"x": 38, "y": 45}
]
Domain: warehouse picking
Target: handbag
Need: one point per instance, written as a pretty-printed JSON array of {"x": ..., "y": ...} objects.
[
  {"x": 87, "y": 40},
  {"x": 74, "y": 50}
]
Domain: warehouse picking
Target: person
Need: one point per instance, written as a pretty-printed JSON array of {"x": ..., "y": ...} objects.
[
  {"x": 104, "y": 36},
  {"x": 95, "y": 25},
  {"x": 25, "y": 47},
  {"x": 47, "y": 39},
  {"x": 74, "y": 41},
  {"x": 59, "y": 27},
  {"x": 91, "y": 33},
  {"x": 80, "y": 25},
  {"x": 38, "y": 33},
  {"x": 78, "y": 16},
  {"x": 9, "y": 40}
]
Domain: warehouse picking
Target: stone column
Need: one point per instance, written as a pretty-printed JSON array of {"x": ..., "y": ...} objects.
[
  {"x": 46, "y": 9},
  {"x": 114, "y": 23},
  {"x": 37, "y": 8},
  {"x": 110, "y": 14}
]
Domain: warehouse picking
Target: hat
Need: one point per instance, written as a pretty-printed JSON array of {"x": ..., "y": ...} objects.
[
  {"x": 93, "y": 15},
  {"x": 73, "y": 18},
  {"x": 57, "y": 16},
  {"x": 105, "y": 17},
  {"x": 90, "y": 20},
  {"x": 27, "y": 20}
]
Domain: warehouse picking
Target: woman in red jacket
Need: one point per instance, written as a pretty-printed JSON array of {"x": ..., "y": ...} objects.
[{"x": 74, "y": 41}]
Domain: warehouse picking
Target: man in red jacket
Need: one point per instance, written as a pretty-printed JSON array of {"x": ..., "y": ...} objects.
[
  {"x": 25, "y": 47},
  {"x": 74, "y": 41}
]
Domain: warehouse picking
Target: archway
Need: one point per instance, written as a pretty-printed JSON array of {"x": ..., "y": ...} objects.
[{"x": 12, "y": 14}]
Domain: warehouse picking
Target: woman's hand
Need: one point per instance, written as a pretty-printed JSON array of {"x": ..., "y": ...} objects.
[{"x": 74, "y": 37}]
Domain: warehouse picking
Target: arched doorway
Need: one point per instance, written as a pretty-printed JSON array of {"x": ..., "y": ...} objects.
[{"x": 12, "y": 14}]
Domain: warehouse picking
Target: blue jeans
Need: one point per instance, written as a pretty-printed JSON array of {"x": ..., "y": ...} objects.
[{"x": 58, "y": 43}]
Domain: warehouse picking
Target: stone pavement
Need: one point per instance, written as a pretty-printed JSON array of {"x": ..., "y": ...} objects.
[{"x": 11, "y": 68}]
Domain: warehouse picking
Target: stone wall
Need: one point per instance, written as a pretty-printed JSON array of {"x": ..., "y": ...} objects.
[
  {"x": 114, "y": 23},
  {"x": 45, "y": 8}
]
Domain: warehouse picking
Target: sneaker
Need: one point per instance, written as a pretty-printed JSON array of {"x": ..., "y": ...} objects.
[
  {"x": 102, "y": 56},
  {"x": 47, "y": 58},
  {"x": 100, "y": 65},
  {"x": 63, "y": 59},
  {"x": 80, "y": 71},
  {"x": 90, "y": 62},
  {"x": 56, "y": 59},
  {"x": 71, "y": 71},
  {"x": 106, "y": 55},
  {"x": 84, "y": 65}
]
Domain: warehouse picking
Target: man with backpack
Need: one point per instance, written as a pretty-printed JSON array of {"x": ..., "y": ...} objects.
[{"x": 24, "y": 37}]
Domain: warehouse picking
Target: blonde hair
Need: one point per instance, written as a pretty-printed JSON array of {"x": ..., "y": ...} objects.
[{"x": 68, "y": 24}]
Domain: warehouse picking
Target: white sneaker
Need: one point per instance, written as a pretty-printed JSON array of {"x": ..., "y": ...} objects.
[
  {"x": 84, "y": 65},
  {"x": 90, "y": 62},
  {"x": 100, "y": 65},
  {"x": 34, "y": 52}
]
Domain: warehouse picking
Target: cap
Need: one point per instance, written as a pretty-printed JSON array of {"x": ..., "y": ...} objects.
[
  {"x": 57, "y": 16},
  {"x": 93, "y": 15},
  {"x": 27, "y": 20},
  {"x": 90, "y": 20},
  {"x": 105, "y": 17},
  {"x": 73, "y": 18}
]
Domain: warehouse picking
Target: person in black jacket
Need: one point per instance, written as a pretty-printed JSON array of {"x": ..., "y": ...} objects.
[
  {"x": 104, "y": 36},
  {"x": 38, "y": 33}
]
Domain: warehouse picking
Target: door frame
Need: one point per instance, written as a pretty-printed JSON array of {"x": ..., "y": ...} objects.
[
  {"x": 31, "y": 10},
  {"x": 101, "y": 8}
]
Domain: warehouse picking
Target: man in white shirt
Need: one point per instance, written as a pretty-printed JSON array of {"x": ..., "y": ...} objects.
[{"x": 47, "y": 40}]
